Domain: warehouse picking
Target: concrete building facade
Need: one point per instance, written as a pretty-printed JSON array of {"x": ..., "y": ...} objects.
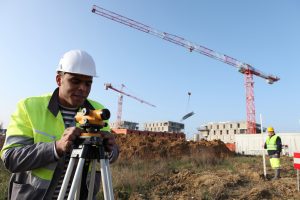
[
  {"x": 164, "y": 126},
  {"x": 224, "y": 131},
  {"x": 125, "y": 125}
]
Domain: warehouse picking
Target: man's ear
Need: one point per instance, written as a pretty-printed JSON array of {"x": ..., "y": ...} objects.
[{"x": 58, "y": 79}]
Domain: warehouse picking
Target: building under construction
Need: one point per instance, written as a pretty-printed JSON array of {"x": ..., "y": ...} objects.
[
  {"x": 158, "y": 129},
  {"x": 224, "y": 131},
  {"x": 125, "y": 124},
  {"x": 164, "y": 126}
]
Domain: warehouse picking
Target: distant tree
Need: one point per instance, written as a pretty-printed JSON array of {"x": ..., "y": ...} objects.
[{"x": 1, "y": 125}]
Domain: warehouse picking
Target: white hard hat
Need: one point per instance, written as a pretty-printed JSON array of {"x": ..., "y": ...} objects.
[{"x": 77, "y": 62}]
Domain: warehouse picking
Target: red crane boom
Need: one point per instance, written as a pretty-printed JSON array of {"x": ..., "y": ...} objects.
[
  {"x": 120, "y": 101},
  {"x": 243, "y": 68}
]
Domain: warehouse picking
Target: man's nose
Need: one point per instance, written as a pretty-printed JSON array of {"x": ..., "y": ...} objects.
[{"x": 83, "y": 87}]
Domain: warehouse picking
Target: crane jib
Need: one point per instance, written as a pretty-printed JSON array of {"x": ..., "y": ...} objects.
[{"x": 182, "y": 42}]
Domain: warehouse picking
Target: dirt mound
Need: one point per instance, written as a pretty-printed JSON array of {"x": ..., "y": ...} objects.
[
  {"x": 218, "y": 185},
  {"x": 236, "y": 177},
  {"x": 148, "y": 147},
  {"x": 187, "y": 184}
]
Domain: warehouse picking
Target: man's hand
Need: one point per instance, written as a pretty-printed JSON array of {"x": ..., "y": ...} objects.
[
  {"x": 109, "y": 141},
  {"x": 66, "y": 141}
]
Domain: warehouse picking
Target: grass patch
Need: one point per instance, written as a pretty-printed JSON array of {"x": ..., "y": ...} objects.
[{"x": 4, "y": 177}]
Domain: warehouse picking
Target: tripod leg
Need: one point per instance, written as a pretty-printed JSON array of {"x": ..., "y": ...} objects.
[
  {"x": 92, "y": 180},
  {"x": 77, "y": 195},
  {"x": 65, "y": 183},
  {"x": 76, "y": 179},
  {"x": 109, "y": 179},
  {"x": 106, "y": 180}
]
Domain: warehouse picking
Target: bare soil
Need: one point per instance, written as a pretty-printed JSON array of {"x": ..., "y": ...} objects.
[
  {"x": 238, "y": 177},
  {"x": 234, "y": 177}
]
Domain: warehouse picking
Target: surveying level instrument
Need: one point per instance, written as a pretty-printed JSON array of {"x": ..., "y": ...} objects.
[{"x": 88, "y": 148}]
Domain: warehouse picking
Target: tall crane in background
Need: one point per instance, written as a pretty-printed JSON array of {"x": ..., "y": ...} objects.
[
  {"x": 242, "y": 67},
  {"x": 120, "y": 101}
]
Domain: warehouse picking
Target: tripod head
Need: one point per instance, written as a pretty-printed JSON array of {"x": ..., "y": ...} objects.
[
  {"x": 88, "y": 148},
  {"x": 92, "y": 121}
]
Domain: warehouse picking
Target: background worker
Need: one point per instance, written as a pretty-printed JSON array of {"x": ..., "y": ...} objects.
[
  {"x": 274, "y": 147},
  {"x": 42, "y": 130}
]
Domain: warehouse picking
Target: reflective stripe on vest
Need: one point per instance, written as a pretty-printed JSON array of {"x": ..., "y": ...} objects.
[
  {"x": 271, "y": 143},
  {"x": 43, "y": 173}
]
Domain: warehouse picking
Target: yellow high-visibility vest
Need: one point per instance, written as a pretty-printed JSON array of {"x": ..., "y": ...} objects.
[
  {"x": 271, "y": 142},
  {"x": 32, "y": 123}
]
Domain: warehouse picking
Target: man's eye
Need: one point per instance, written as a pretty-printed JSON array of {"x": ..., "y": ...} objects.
[
  {"x": 88, "y": 84},
  {"x": 75, "y": 81}
]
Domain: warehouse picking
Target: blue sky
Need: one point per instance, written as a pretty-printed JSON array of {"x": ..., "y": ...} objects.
[{"x": 35, "y": 34}]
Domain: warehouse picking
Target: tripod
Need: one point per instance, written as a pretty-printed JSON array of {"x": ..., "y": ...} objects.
[{"x": 88, "y": 149}]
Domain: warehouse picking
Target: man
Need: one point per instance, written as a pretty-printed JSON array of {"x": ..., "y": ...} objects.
[
  {"x": 274, "y": 147},
  {"x": 42, "y": 131}
]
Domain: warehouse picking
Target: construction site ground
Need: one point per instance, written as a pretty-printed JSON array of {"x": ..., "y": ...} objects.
[
  {"x": 162, "y": 168},
  {"x": 199, "y": 170}
]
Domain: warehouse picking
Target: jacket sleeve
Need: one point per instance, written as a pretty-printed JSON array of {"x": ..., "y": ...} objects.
[
  {"x": 279, "y": 145},
  {"x": 19, "y": 152},
  {"x": 29, "y": 157},
  {"x": 114, "y": 154}
]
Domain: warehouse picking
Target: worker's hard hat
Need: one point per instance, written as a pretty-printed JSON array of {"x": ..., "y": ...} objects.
[
  {"x": 270, "y": 129},
  {"x": 77, "y": 62}
]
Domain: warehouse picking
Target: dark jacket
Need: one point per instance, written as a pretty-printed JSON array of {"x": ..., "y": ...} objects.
[{"x": 279, "y": 147}]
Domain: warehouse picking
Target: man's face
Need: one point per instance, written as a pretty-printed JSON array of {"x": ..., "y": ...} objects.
[
  {"x": 270, "y": 133},
  {"x": 73, "y": 89}
]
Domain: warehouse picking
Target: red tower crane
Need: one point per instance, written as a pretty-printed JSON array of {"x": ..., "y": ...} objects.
[
  {"x": 120, "y": 101},
  {"x": 242, "y": 67}
]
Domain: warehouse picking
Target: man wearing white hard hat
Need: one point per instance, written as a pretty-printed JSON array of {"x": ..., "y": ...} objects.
[{"x": 42, "y": 131}]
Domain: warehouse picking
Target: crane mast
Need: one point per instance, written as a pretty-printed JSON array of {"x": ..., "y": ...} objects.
[
  {"x": 242, "y": 67},
  {"x": 120, "y": 101}
]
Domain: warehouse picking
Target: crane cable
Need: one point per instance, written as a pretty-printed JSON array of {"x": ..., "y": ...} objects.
[{"x": 187, "y": 107}]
